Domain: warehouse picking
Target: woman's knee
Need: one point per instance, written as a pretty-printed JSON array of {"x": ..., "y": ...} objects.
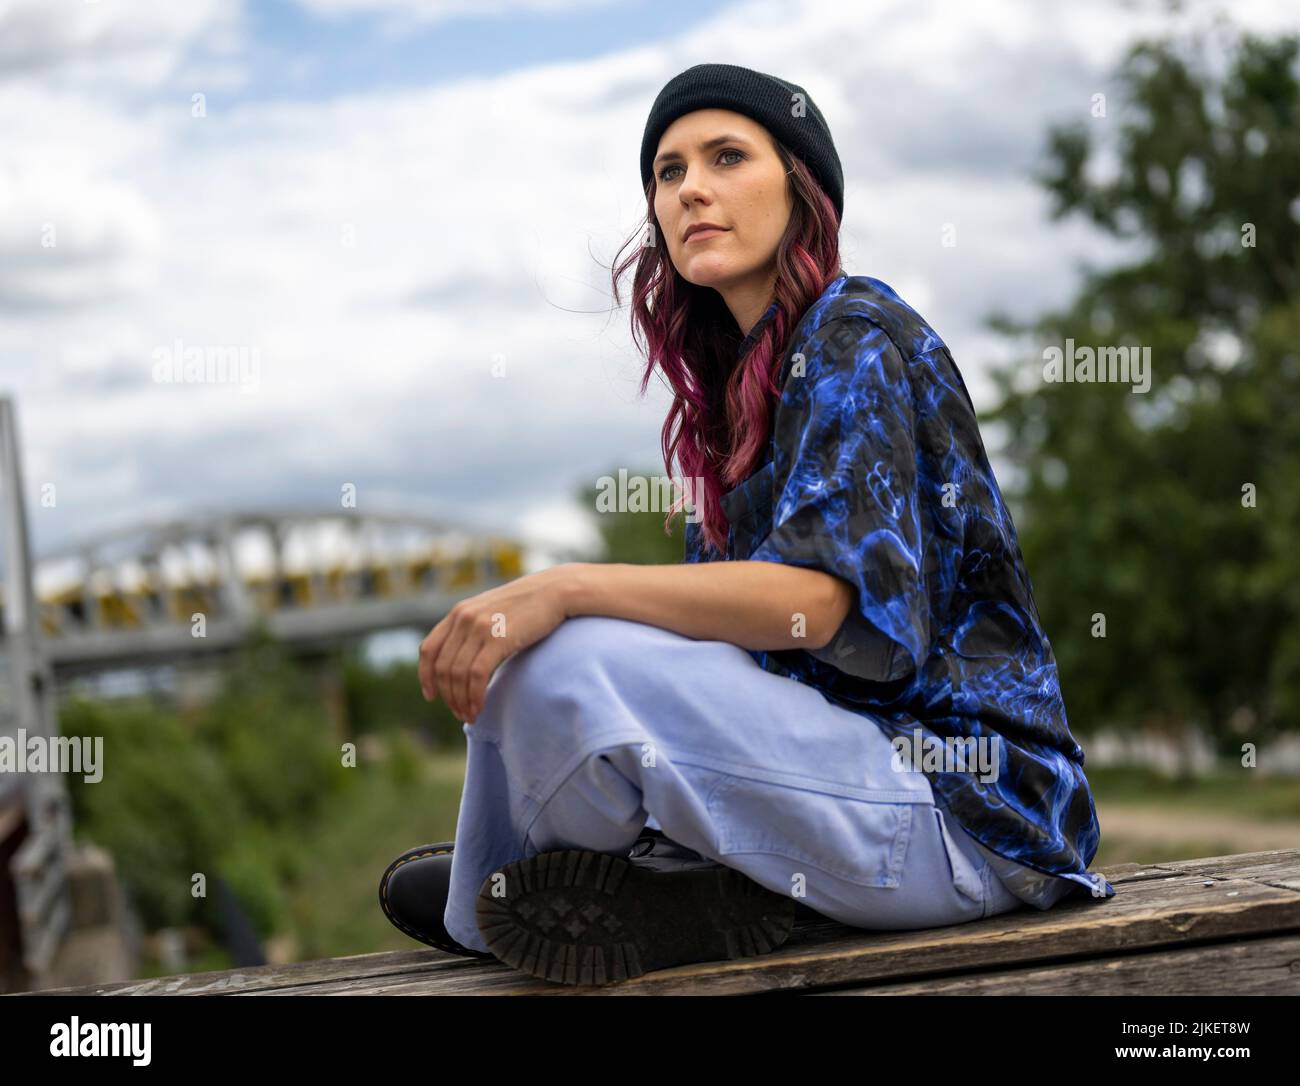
[
  {"x": 562, "y": 680},
  {"x": 579, "y": 647}
]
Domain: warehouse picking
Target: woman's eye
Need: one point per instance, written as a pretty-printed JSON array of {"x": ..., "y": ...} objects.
[{"x": 663, "y": 175}]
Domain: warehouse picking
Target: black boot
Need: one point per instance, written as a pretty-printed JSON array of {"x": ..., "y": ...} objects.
[
  {"x": 413, "y": 895},
  {"x": 580, "y": 917},
  {"x": 654, "y": 842},
  {"x": 413, "y": 892}
]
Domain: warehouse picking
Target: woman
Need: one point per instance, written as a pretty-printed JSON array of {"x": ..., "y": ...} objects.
[{"x": 841, "y": 701}]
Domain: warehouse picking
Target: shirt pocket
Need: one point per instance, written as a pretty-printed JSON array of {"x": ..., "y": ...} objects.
[
  {"x": 860, "y": 841},
  {"x": 748, "y": 508}
]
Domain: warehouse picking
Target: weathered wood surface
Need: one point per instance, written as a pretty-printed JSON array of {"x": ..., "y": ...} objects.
[
  {"x": 1249, "y": 967},
  {"x": 1225, "y": 924}
]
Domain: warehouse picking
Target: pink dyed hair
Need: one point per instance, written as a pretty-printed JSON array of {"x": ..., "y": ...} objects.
[{"x": 722, "y": 412}]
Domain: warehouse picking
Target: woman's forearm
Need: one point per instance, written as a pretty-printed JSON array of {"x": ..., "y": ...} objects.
[{"x": 761, "y": 606}]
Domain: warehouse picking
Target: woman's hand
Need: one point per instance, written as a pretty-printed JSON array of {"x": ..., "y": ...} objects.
[{"x": 460, "y": 654}]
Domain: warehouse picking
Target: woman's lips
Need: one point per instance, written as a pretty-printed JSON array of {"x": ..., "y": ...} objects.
[{"x": 704, "y": 235}]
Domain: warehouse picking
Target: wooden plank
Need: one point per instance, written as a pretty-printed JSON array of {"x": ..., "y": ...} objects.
[
  {"x": 263, "y": 977},
  {"x": 1275, "y": 868},
  {"x": 1156, "y": 908},
  {"x": 1151, "y": 913},
  {"x": 1250, "y": 967}
]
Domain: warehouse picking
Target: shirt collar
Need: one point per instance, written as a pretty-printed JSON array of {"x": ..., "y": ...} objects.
[{"x": 756, "y": 331}]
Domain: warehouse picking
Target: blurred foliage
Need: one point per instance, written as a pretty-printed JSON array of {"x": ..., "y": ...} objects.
[
  {"x": 637, "y": 538},
  {"x": 232, "y": 789},
  {"x": 269, "y": 730},
  {"x": 163, "y": 807},
  {"x": 388, "y": 701},
  {"x": 1131, "y": 504}
]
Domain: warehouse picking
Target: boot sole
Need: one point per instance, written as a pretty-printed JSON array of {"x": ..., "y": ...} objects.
[{"x": 581, "y": 917}]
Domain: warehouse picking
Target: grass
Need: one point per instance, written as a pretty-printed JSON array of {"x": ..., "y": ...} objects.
[
  {"x": 1236, "y": 794},
  {"x": 336, "y": 905},
  {"x": 1243, "y": 792}
]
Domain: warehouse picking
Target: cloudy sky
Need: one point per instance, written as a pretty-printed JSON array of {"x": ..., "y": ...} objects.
[{"x": 400, "y": 215}]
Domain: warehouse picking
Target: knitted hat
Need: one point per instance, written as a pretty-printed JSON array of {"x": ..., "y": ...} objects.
[{"x": 772, "y": 102}]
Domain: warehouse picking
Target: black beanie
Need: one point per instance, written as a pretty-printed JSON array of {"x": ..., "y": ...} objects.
[{"x": 764, "y": 98}]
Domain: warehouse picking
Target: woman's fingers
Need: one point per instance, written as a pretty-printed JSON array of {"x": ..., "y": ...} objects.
[
  {"x": 446, "y": 656},
  {"x": 480, "y": 674},
  {"x": 430, "y": 648},
  {"x": 468, "y": 638},
  {"x": 458, "y": 657}
]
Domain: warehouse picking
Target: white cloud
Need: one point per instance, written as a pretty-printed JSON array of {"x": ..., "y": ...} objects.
[
  {"x": 382, "y": 251},
  {"x": 421, "y": 11},
  {"x": 135, "y": 41}
]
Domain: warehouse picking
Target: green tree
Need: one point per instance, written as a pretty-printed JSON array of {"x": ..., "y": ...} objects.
[
  {"x": 389, "y": 701},
  {"x": 1135, "y": 506},
  {"x": 162, "y": 807}
]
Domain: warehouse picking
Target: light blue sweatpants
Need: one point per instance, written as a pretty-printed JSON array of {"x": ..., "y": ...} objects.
[{"x": 606, "y": 723}]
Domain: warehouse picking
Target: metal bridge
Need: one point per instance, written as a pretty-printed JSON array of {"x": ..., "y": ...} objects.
[{"x": 163, "y": 591}]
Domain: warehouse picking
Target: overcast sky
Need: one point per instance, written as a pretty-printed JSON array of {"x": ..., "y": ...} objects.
[{"x": 381, "y": 201}]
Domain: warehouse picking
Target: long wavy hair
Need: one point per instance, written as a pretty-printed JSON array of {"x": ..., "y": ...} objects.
[{"x": 722, "y": 412}]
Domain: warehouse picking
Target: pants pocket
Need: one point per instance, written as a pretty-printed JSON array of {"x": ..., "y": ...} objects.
[
  {"x": 860, "y": 841},
  {"x": 966, "y": 877}
]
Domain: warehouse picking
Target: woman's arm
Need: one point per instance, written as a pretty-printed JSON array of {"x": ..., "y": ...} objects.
[{"x": 756, "y": 605}]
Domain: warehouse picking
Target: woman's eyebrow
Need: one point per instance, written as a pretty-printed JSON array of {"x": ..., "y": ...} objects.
[{"x": 706, "y": 145}]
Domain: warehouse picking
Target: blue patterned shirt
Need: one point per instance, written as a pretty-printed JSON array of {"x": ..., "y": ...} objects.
[{"x": 876, "y": 473}]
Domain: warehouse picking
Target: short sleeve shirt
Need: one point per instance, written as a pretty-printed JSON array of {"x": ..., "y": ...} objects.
[{"x": 876, "y": 473}]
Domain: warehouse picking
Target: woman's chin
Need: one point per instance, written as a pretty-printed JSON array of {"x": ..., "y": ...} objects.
[{"x": 709, "y": 271}]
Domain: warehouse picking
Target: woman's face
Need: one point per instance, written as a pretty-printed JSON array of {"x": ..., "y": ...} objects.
[{"x": 720, "y": 167}]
